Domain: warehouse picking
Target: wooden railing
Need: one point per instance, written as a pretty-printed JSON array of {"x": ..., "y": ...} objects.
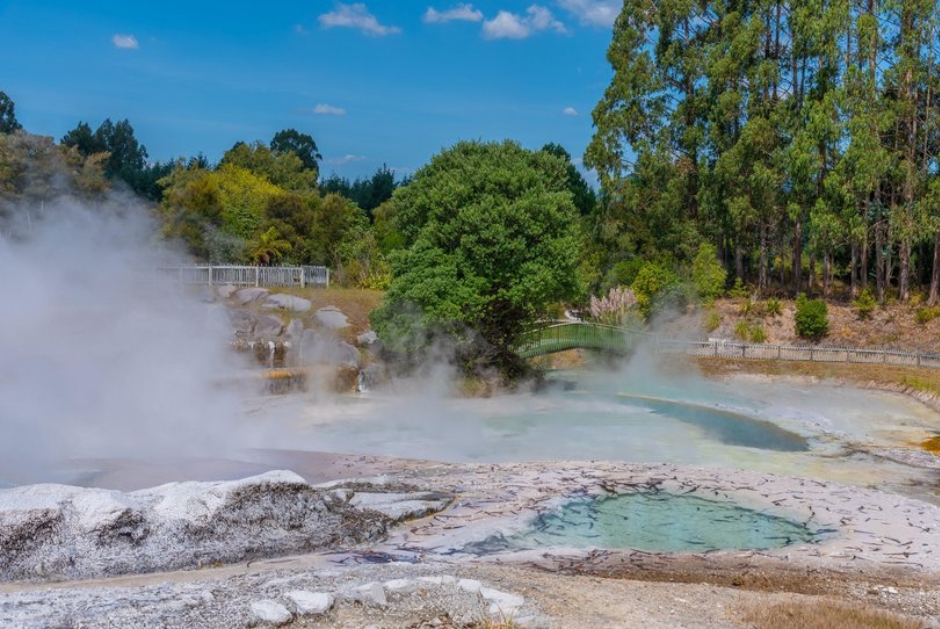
[{"x": 214, "y": 275}]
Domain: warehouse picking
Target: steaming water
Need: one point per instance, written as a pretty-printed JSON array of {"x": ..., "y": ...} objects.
[
  {"x": 650, "y": 521},
  {"x": 786, "y": 428}
]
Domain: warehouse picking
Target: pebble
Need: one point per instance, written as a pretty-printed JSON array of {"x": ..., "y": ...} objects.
[{"x": 271, "y": 612}]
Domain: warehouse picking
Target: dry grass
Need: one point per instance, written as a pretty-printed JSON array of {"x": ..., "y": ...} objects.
[{"x": 824, "y": 614}]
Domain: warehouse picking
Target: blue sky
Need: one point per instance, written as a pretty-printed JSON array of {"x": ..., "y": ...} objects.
[{"x": 371, "y": 82}]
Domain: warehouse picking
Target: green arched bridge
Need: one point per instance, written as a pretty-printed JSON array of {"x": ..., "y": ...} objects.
[{"x": 561, "y": 336}]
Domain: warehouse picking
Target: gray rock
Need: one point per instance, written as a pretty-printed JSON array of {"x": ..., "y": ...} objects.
[
  {"x": 243, "y": 323},
  {"x": 332, "y": 318},
  {"x": 268, "y": 327},
  {"x": 294, "y": 331},
  {"x": 271, "y": 612},
  {"x": 311, "y": 603},
  {"x": 57, "y": 531},
  {"x": 288, "y": 302},
  {"x": 225, "y": 291},
  {"x": 367, "y": 338},
  {"x": 318, "y": 349},
  {"x": 372, "y": 376},
  {"x": 399, "y": 506},
  {"x": 248, "y": 295},
  {"x": 502, "y": 604}
]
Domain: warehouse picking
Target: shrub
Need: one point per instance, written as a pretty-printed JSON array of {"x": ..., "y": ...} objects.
[
  {"x": 708, "y": 274},
  {"x": 739, "y": 290},
  {"x": 774, "y": 307},
  {"x": 812, "y": 318},
  {"x": 711, "y": 321},
  {"x": 656, "y": 288},
  {"x": 865, "y": 304},
  {"x": 613, "y": 308},
  {"x": 742, "y": 330},
  {"x": 758, "y": 334},
  {"x": 927, "y": 314}
]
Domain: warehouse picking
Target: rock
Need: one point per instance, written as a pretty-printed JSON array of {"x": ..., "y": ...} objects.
[
  {"x": 271, "y": 612},
  {"x": 367, "y": 338},
  {"x": 317, "y": 349},
  {"x": 268, "y": 327},
  {"x": 288, "y": 302},
  {"x": 332, "y": 318},
  {"x": 372, "y": 594},
  {"x": 62, "y": 532},
  {"x": 294, "y": 331},
  {"x": 372, "y": 376},
  {"x": 225, "y": 290},
  {"x": 311, "y": 603},
  {"x": 243, "y": 323},
  {"x": 502, "y": 604},
  {"x": 248, "y": 295},
  {"x": 399, "y": 506}
]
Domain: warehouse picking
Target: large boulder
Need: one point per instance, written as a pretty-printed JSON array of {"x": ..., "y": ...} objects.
[
  {"x": 319, "y": 349},
  {"x": 288, "y": 302},
  {"x": 268, "y": 327},
  {"x": 249, "y": 295},
  {"x": 332, "y": 318},
  {"x": 243, "y": 322}
]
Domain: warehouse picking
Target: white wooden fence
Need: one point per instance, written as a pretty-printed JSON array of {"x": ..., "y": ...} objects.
[
  {"x": 819, "y": 354},
  {"x": 213, "y": 275}
]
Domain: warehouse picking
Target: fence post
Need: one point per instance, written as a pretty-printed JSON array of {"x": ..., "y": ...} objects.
[
  {"x": 210, "y": 275},
  {"x": 303, "y": 278},
  {"x": 257, "y": 276}
]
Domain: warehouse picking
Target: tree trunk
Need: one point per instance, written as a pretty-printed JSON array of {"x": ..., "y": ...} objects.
[
  {"x": 880, "y": 262},
  {"x": 935, "y": 272},
  {"x": 797, "y": 256}
]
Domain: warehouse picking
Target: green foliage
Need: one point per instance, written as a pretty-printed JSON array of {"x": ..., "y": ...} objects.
[
  {"x": 740, "y": 290},
  {"x": 742, "y": 330},
  {"x": 656, "y": 289},
  {"x": 283, "y": 169},
  {"x": 268, "y": 248},
  {"x": 711, "y": 320},
  {"x": 623, "y": 273},
  {"x": 708, "y": 274},
  {"x": 8, "y": 122},
  {"x": 301, "y": 145},
  {"x": 491, "y": 244},
  {"x": 773, "y": 307},
  {"x": 926, "y": 314},
  {"x": 812, "y": 318},
  {"x": 865, "y": 304},
  {"x": 368, "y": 193},
  {"x": 758, "y": 334}
]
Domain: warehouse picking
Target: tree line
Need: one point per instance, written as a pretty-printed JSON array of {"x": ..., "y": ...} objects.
[{"x": 800, "y": 139}]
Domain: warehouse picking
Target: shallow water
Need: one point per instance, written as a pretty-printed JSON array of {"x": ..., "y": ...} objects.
[
  {"x": 650, "y": 521},
  {"x": 786, "y": 428}
]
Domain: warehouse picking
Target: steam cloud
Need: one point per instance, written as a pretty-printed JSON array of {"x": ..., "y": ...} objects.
[{"x": 99, "y": 357}]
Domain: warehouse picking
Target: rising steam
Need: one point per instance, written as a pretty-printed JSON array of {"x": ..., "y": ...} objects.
[{"x": 99, "y": 357}]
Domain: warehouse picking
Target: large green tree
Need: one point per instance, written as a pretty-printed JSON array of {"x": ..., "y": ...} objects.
[{"x": 491, "y": 237}]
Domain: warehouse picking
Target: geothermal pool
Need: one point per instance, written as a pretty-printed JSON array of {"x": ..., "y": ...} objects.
[
  {"x": 797, "y": 429},
  {"x": 814, "y": 430}
]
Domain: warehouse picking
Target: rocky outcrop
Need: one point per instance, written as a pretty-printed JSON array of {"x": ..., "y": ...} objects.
[
  {"x": 287, "y": 302},
  {"x": 59, "y": 531}
]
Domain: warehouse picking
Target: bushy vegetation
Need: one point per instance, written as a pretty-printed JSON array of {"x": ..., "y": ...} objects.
[
  {"x": 926, "y": 314},
  {"x": 865, "y": 304},
  {"x": 708, "y": 274},
  {"x": 812, "y": 318}
]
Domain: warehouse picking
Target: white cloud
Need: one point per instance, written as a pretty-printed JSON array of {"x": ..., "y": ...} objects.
[
  {"x": 463, "y": 12},
  {"x": 570, "y": 111},
  {"x": 126, "y": 42},
  {"x": 508, "y": 25},
  {"x": 593, "y": 12},
  {"x": 345, "y": 159},
  {"x": 329, "y": 110},
  {"x": 356, "y": 16}
]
